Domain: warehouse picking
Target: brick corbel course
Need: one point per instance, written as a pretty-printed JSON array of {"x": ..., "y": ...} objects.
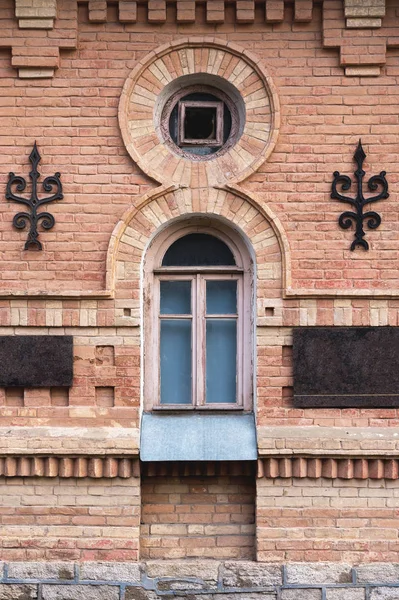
[
  {"x": 303, "y": 10},
  {"x": 36, "y": 54},
  {"x": 185, "y": 11},
  {"x": 328, "y": 468},
  {"x": 36, "y": 14},
  {"x": 98, "y": 11},
  {"x": 274, "y": 11},
  {"x": 127, "y": 11},
  {"x": 95, "y": 467},
  {"x": 361, "y": 52},
  {"x": 156, "y": 11},
  {"x": 215, "y": 11},
  {"x": 364, "y": 13}
]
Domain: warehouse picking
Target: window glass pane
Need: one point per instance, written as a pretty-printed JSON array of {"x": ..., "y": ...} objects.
[
  {"x": 221, "y": 297},
  {"x": 198, "y": 250},
  {"x": 175, "y": 297},
  {"x": 176, "y": 361},
  {"x": 200, "y": 123},
  {"x": 221, "y": 361}
]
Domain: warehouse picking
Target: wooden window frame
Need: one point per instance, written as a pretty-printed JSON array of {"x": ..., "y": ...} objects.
[
  {"x": 154, "y": 273},
  {"x": 211, "y": 143},
  {"x": 228, "y": 101}
]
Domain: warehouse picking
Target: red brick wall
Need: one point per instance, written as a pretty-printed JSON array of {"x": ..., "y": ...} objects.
[
  {"x": 209, "y": 517},
  {"x": 105, "y": 392},
  {"x": 73, "y": 117},
  {"x": 327, "y": 520},
  {"x": 275, "y": 395},
  {"x": 69, "y": 519}
]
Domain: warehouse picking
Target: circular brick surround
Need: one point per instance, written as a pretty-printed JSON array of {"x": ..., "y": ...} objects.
[{"x": 139, "y": 106}]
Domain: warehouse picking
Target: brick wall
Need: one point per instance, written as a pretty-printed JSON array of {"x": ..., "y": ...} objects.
[
  {"x": 105, "y": 389},
  {"x": 73, "y": 117},
  {"x": 208, "y": 517},
  {"x": 86, "y": 281},
  {"x": 275, "y": 382},
  {"x": 69, "y": 519},
  {"x": 327, "y": 520},
  {"x": 76, "y": 127}
]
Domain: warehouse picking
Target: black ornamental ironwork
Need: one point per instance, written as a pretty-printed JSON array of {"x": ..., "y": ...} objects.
[
  {"x": 50, "y": 184},
  {"x": 357, "y": 216}
]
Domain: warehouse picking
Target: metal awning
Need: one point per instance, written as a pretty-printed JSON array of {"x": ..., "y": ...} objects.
[{"x": 184, "y": 437}]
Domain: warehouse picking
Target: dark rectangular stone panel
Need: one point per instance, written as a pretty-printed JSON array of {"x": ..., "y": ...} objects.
[
  {"x": 346, "y": 367},
  {"x": 36, "y": 360}
]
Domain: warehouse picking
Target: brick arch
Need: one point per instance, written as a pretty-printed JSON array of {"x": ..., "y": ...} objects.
[
  {"x": 199, "y": 57},
  {"x": 257, "y": 224}
]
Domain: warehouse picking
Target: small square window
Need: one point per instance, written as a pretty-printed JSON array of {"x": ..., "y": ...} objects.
[{"x": 200, "y": 123}]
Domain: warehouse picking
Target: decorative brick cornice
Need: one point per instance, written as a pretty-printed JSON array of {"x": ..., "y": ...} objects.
[
  {"x": 329, "y": 468},
  {"x": 275, "y": 467},
  {"x": 215, "y": 10},
  {"x": 69, "y": 466}
]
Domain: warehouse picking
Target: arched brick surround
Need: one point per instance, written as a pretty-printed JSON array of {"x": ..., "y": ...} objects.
[
  {"x": 140, "y": 224},
  {"x": 194, "y": 56}
]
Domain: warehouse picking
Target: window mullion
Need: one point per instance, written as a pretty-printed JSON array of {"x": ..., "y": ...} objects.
[{"x": 200, "y": 346}]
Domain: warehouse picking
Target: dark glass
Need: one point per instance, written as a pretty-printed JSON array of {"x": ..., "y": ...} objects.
[
  {"x": 200, "y": 150},
  {"x": 221, "y": 297},
  {"x": 198, "y": 250},
  {"x": 200, "y": 123}
]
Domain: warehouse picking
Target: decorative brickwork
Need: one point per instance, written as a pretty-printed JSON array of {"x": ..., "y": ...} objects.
[
  {"x": 36, "y": 53},
  {"x": 69, "y": 458},
  {"x": 66, "y": 467},
  {"x": 146, "y": 85},
  {"x": 139, "y": 225},
  {"x": 36, "y": 14},
  {"x": 361, "y": 52},
  {"x": 360, "y": 55},
  {"x": 74, "y": 258},
  {"x": 329, "y": 468},
  {"x": 364, "y": 13}
]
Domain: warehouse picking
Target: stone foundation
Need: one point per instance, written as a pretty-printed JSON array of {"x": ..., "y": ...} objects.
[{"x": 202, "y": 580}]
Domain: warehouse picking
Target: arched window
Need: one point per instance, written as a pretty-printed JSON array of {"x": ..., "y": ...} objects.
[{"x": 198, "y": 324}]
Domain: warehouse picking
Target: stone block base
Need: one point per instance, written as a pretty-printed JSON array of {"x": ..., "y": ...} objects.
[{"x": 198, "y": 580}]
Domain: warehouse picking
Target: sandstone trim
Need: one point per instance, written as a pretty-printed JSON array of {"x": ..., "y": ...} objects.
[{"x": 351, "y": 442}]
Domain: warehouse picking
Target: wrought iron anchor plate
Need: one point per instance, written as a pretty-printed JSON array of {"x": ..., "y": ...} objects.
[
  {"x": 357, "y": 216},
  {"x": 50, "y": 184}
]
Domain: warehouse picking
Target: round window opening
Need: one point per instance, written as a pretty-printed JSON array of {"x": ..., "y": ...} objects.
[{"x": 200, "y": 122}]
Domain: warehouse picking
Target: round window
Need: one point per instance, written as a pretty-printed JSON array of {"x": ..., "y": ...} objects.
[{"x": 200, "y": 122}]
